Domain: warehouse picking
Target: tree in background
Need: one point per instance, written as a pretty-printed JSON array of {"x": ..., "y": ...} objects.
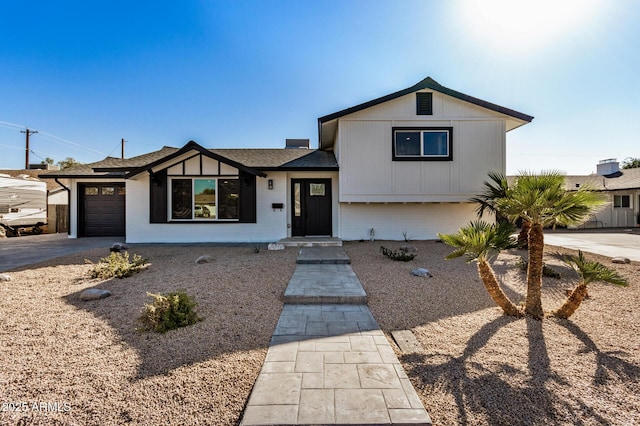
[
  {"x": 631, "y": 163},
  {"x": 68, "y": 163},
  {"x": 47, "y": 160}
]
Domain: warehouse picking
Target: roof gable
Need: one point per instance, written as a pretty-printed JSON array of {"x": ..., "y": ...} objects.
[
  {"x": 325, "y": 124},
  {"x": 193, "y": 146}
]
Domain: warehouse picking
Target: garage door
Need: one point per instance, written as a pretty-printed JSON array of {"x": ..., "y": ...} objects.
[{"x": 102, "y": 210}]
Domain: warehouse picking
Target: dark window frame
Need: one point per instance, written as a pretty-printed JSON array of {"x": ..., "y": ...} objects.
[
  {"x": 422, "y": 157},
  {"x": 215, "y": 217}
]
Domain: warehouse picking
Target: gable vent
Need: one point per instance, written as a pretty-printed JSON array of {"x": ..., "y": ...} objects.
[{"x": 424, "y": 102}]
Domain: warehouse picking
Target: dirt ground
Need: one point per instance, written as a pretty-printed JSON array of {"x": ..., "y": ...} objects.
[{"x": 72, "y": 362}]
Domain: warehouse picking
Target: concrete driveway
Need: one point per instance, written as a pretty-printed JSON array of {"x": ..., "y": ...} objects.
[
  {"x": 29, "y": 249},
  {"x": 609, "y": 242}
]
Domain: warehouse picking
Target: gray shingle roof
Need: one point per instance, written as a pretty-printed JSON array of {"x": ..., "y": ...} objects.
[
  {"x": 624, "y": 179},
  {"x": 258, "y": 158}
]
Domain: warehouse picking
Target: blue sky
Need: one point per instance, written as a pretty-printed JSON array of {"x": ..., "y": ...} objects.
[{"x": 253, "y": 73}]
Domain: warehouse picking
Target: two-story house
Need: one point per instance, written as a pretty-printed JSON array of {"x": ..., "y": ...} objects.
[{"x": 403, "y": 164}]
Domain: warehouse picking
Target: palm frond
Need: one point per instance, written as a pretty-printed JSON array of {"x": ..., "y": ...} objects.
[{"x": 590, "y": 271}]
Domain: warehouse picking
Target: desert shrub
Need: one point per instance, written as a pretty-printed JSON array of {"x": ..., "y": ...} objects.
[
  {"x": 117, "y": 265},
  {"x": 168, "y": 312},
  {"x": 547, "y": 271},
  {"x": 398, "y": 255}
]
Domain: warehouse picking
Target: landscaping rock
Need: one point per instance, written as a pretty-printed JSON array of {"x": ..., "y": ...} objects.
[
  {"x": 275, "y": 246},
  {"x": 94, "y": 294},
  {"x": 622, "y": 260},
  {"x": 203, "y": 259},
  {"x": 5, "y": 277},
  {"x": 118, "y": 247},
  {"x": 422, "y": 272},
  {"x": 409, "y": 249}
]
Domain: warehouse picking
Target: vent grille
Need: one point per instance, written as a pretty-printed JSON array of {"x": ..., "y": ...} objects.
[{"x": 424, "y": 102}]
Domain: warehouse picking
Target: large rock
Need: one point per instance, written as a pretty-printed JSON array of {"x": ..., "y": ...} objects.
[
  {"x": 94, "y": 294},
  {"x": 275, "y": 246},
  {"x": 409, "y": 249},
  {"x": 5, "y": 277},
  {"x": 620, "y": 260},
  {"x": 422, "y": 272},
  {"x": 118, "y": 247}
]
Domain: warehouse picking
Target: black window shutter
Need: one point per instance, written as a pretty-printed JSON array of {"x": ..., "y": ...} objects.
[
  {"x": 158, "y": 197},
  {"x": 424, "y": 103},
  {"x": 247, "y": 198}
]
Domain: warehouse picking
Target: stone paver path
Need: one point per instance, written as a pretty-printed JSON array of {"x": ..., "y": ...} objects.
[{"x": 331, "y": 364}]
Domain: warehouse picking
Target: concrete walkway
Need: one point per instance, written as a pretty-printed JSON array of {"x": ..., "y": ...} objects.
[
  {"x": 608, "y": 242},
  {"x": 329, "y": 363}
]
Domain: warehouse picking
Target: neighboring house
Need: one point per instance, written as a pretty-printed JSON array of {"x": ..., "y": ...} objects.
[
  {"x": 621, "y": 189},
  {"x": 406, "y": 163},
  {"x": 56, "y": 197}
]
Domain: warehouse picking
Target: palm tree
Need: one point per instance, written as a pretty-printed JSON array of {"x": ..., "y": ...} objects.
[
  {"x": 543, "y": 201},
  {"x": 480, "y": 241},
  {"x": 589, "y": 271},
  {"x": 495, "y": 189}
]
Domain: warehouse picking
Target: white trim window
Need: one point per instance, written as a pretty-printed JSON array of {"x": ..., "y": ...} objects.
[
  {"x": 204, "y": 198},
  {"x": 422, "y": 144},
  {"x": 622, "y": 201}
]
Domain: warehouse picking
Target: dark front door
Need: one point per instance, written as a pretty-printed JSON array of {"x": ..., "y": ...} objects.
[
  {"x": 102, "y": 209},
  {"x": 311, "y": 207}
]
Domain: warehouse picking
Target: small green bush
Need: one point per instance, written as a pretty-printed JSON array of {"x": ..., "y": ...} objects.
[
  {"x": 168, "y": 312},
  {"x": 117, "y": 265},
  {"x": 398, "y": 255}
]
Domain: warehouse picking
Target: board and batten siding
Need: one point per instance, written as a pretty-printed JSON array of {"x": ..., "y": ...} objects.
[
  {"x": 368, "y": 173},
  {"x": 391, "y": 221}
]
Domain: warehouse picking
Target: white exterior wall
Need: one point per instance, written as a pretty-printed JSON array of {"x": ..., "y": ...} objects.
[
  {"x": 271, "y": 224},
  {"x": 390, "y": 221},
  {"x": 617, "y": 217},
  {"x": 369, "y": 174}
]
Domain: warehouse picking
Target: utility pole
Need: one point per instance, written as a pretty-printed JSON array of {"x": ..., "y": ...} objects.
[
  {"x": 28, "y": 132},
  {"x": 122, "y": 154}
]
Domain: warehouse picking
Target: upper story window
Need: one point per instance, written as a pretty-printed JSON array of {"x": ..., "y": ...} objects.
[
  {"x": 204, "y": 199},
  {"x": 622, "y": 201},
  {"x": 422, "y": 144}
]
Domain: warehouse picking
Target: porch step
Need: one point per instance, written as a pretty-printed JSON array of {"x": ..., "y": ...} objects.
[
  {"x": 322, "y": 256},
  {"x": 311, "y": 242},
  {"x": 324, "y": 283}
]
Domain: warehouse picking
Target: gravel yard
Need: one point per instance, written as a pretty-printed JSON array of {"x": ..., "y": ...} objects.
[{"x": 478, "y": 367}]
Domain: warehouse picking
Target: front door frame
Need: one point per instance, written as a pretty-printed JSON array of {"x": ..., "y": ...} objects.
[{"x": 322, "y": 214}]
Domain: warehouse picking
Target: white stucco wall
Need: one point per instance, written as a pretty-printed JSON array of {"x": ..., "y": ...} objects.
[
  {"x": 389, "y": 221},
  {"x": 270, "y": 226}
]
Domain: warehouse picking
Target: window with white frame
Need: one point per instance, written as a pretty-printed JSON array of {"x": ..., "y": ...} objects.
[
  {"x": 427, "y": 144},
  {"x": 204, "y": 199},
  {"x": 622, "y": 201}
]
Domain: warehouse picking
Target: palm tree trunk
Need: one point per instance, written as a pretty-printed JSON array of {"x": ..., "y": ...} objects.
[
  {"x": 523, "y": 236},
  {"x": 573, "y": 301},
  {"x": 533, "y": 304},
  {"x": 493, "y": 288}
]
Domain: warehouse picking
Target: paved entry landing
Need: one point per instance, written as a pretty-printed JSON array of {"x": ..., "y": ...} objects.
[{"x": 331, "y": 364}]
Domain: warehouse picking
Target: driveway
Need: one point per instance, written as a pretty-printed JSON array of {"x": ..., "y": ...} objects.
[
  {"x": 609, "y": 242},
  {"x": 29, "y": 249}
]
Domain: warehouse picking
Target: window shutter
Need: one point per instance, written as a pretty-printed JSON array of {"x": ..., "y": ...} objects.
[
  {"x": 424, "y": 103},
  {"x": 158, "y": 197}
]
